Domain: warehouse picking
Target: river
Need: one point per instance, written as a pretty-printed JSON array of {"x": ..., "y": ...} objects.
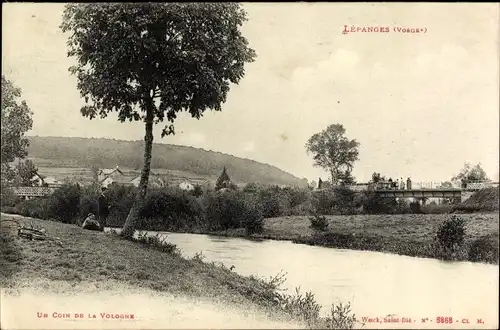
[{"x": 376, "y": 284}]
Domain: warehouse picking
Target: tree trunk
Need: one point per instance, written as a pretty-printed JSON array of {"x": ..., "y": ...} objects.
[
  {"x": 333, "y": 176},
  {"x": 131, "y": 222}
]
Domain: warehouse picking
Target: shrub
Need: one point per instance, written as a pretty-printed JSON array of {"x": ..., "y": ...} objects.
[
  {"x": 7, "y": 197},
  {"x": 375, "y": 204},
  {"x": 224, "y": 210},
  {"x": 270, "y": 202},
  {"x": 301, "y": 307},
  {"x": 437, "y": 209},
  {"x": 451, "y": 233},
  {"x": 197, "y": 191},
  {"x": 35, "y": 208},
  {"x": 64, "y": 203},
  {"x": 88, "y": 200},
  {"x": 120, "y": 198},
  {"x": 340, "y": 317},
  {"x": 158, "y": 242},
  {"x": 415, "y": 207},
  {"x": 318, "y": 222},
  {"x": 233, "y": 209},
  {"x": 484, "y": 248},
  {"x": 253, "y": 221},
  {"x": 304, "y": 308},
  {"x": 484, "y": 200},
  {"x": 170, "y": 208},
  {"x": 339, "y": 200}
]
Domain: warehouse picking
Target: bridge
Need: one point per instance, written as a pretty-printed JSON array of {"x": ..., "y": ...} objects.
[
  {"x": 423, "y": 189},
  {"x": 419, "y": 193},
  {"x": 32, "y": 192}
]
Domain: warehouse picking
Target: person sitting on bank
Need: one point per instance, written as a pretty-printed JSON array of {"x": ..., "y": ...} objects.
[
  {"x": 103, "y": 208},
  {"x": 91, "y": 222}
]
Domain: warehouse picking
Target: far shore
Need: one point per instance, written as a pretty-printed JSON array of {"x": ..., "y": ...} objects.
[{"x": 403, "y": 234}]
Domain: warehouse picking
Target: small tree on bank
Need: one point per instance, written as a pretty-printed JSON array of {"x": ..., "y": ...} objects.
[{"x": 149, "y": 61}]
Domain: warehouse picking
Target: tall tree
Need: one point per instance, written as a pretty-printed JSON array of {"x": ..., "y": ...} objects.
[
  {"x": 16, "y": 121},
  {"x": 223, "y": 181},
  {"x": 150, "y": 61},
  {"x": 470, "y": 173},
  {"x": 333, "y": 152},
  {"x": 25, "y": 172}
]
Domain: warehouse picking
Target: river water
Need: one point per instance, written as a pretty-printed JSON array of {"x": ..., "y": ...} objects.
[{"x": 376, "y": 284}]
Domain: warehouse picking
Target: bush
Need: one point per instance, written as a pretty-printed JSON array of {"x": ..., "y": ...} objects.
[
  {"x": 415, "y": 207},
  {"x": 34, "y": 208},
  {"x": 64, "y": 203},
  {"x": 158, "y": 242},
  {"x": 484, "y": 248},
  {"x": 120, "y": 198},
  {"x": 319, "y": 222},
  {"x": 88, "y": 201},
  {"x": 484, "y": 200},
  {"x": 270, "y": 202},
  {"x": 374, "y": 204},
  {"x": 170, "y": 208},
  {"x": 7, "y": 197},
  {"x": 341, "y": 200},
  {"x": 253, "y": 221},
  {"x": 437, "y": 209},
  {"x": 232, "y": 209},
  {"x": 451, "y": 234},
  {"x": 197, "y": 191},
  {"x": 340, "y": 317}
]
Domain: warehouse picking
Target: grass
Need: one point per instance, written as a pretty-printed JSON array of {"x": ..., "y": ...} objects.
[
  {"x": 405, "y": 234},
  {"x": 78, "y": 257}
]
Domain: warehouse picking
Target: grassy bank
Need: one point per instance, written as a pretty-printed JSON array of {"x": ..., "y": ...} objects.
[
  {"x": 78, "y": 257},
  {"x": 405, "y": 234}
]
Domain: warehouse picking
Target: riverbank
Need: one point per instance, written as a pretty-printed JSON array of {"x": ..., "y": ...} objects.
[
  {"x": 404, "y": 234},
  {"x": 82, "y": 268}
]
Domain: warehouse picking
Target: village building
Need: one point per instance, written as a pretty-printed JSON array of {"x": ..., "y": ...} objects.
[
  {"x": 186, "y": 185},
  {"x": 39, "y": 180},
  {"x": 110, "y": 176},
  {"x": 154, "y": 181}
]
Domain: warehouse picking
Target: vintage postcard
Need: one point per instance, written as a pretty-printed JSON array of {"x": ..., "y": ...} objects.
[{"x": 249, "y": 165}]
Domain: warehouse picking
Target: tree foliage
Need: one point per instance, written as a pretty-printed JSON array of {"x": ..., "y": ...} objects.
[
  {"x": 334, "y": 152},
  {"x": 16, "y": 121},
  {"x": 25, "y": 171},
  {"x": 168, "y": 57},
  {"x": 470, "y": 173},
  {"x": 150, "y": 61}
]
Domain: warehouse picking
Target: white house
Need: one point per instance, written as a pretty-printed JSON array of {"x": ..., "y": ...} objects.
[
  {"x": 114, "y": 175},
  {"x": 154, "y": 181},
  {"x": 52, "y": 182},
  {"x": 186, "y": 185}
]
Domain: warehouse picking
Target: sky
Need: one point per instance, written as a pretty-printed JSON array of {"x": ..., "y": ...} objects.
[{"x": 420, "y": 104}]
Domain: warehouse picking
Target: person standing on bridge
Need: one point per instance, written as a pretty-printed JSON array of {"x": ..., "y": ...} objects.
[
  {"x": 103, "y": 211},
  {"x": 402, "y": 184},
  {"x": 408, "y": 183}
]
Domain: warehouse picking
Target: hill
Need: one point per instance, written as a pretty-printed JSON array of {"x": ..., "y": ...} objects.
[{"x": 73, "y": 152}]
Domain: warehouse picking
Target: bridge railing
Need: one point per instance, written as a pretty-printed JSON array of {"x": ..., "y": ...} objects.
[{"x": 33, "y": 191}]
